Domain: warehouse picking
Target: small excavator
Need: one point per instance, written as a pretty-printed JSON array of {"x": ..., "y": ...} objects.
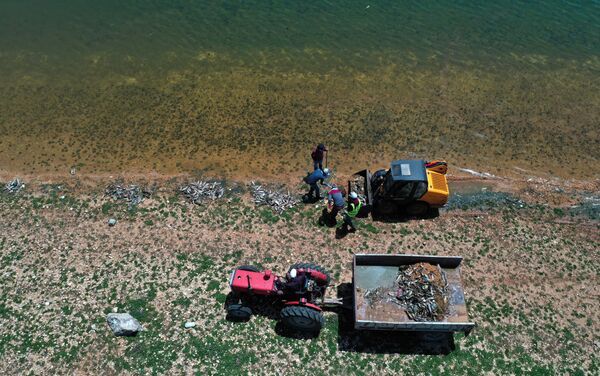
[{"x": 411, "y": 187}]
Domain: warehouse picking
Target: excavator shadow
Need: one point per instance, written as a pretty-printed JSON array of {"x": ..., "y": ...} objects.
[
  {"x": 402, "y": 217},
  {"x": 387, "y": 341}
]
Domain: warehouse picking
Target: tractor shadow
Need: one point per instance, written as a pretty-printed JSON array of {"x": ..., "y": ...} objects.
[
  {"x": 266, "y": 306},
  {"x": 269, "y": 307},
  {"x": 386, "y": 341}
]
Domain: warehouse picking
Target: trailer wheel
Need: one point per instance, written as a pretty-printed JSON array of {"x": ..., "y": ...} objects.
[
  {"x": 239, "y": 312},
  {"x": 249, "y": 268},
  {"x": 417, "y": 208},
  {"x": 310, "y": 265},
  {"x": 302, "y": 319}
]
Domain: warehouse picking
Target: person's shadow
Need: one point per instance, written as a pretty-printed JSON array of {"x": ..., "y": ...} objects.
[{"x": 326, "y": 220}]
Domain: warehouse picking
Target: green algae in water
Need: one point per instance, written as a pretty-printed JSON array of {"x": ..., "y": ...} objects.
[{"x": 221, "y": 86}]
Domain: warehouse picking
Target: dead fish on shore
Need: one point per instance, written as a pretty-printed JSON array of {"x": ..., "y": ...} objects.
[
  {"x": 14, "y": 186},
  {"x": 422, "y": 291},
  {"x": 278, "y": 201},
  {"x": 200, "y": 191},
  {"x": 133, "y": 194}
]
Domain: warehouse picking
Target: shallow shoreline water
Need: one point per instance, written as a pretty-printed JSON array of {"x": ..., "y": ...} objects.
[{"x": 245, "y": 90}]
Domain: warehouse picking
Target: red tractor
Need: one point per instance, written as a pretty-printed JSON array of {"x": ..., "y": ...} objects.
[{"x": 301, "y": 294}]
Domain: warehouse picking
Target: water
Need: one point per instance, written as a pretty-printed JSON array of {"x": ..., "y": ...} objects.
[{"x": 176, "y": 86}]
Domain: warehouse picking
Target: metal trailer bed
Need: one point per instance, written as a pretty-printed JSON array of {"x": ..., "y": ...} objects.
[{"x": 375, "y": 270}]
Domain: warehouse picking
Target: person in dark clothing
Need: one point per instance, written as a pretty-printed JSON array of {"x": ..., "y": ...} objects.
[
  {"x": 294, "y": 283},
  {"x": 313, "y": 181},
  {"x": 317, "y": 156}
]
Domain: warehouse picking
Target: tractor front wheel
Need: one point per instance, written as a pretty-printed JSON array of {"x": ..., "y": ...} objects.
[
  {"x": 238, "y": 312},
  {"x": 302, "y": 319}
]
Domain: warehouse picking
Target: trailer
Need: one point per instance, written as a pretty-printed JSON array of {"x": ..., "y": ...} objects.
[
  {"x": 302, "y": 309},
  {"x": 375, "y": 270}
]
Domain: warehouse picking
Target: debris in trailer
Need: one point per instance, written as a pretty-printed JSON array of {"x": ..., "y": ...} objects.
[
  {"x": 278, "y": 201},
  {"x": 358, "y": 185},
  {"x": 200, "y": 191},
  {"x": 422, "y": 291},
  {"x": 14, "y": 186},
  {"x": 133, "y": 194}
]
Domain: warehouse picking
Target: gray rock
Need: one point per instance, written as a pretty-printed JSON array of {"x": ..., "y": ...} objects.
[
  {"x": 112, "y": 222},
  {"x": 189, "y": 324},
  {"x": 123, "y": 324}
]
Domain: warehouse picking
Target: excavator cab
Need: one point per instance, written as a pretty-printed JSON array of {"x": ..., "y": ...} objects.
[
  {"x": 412, "y": 185},
  {"x": 404, "y": 181}
]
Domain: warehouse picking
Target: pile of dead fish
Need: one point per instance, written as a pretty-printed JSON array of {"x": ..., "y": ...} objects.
[
  {"x": 133, "y": 194},
  {"x": 277, "y": 200},
  {"x": 358, "y": 185},
  {"x": 14, "y": 186},
  {"x": 422, "y": 291},
  {"x": 200, "y": 191}
]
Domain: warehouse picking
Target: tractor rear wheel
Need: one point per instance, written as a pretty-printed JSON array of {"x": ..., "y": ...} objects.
[
  {"x": 302, "y": 319},
  {"x": 249, "y": 268},
  {"x": 239, "y": 312},
  {"x": 417, "y": 208},
  {"x": 310, "y": 265}
]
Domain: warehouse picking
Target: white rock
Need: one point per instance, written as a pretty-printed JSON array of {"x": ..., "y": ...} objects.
[
  {"x": 190, "y": 324},
  {"x": 123, "y": 324}
]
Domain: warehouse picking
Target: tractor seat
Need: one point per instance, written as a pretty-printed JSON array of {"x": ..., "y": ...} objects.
[{"x": 304, "y": 288}]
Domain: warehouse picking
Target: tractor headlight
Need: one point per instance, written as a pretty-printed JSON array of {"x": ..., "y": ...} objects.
[{"x": 231, "y": 278}]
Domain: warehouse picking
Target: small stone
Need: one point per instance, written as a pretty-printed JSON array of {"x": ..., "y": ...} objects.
[
  {"x": 189, "y": 324},
  {"x": 123, "y": 324},
  {"x": 93, "y": 327},
  {"x": 46, "y": 304},
  {"x": 596, "y": 344},
  {"x": 115, "y": 310},
  {"x": 112, "y": 222}
]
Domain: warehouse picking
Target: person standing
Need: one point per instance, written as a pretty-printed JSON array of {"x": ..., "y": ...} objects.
[
  {"x": 317, "y": 156},
  {"x": 335, "y": 202},
  {"x": 313, "y": 181},
  {"x": 354, "y": 206}
]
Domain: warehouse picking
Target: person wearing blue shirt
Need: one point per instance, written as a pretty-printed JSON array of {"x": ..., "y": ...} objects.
[{"x": 313, "y": 180}]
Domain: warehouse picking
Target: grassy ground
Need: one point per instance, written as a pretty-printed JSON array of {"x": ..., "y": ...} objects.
[{"x": 530, "y": 272}]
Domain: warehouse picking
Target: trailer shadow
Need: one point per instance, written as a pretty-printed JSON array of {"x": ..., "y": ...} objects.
[{"x": 386, "y": 341}]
